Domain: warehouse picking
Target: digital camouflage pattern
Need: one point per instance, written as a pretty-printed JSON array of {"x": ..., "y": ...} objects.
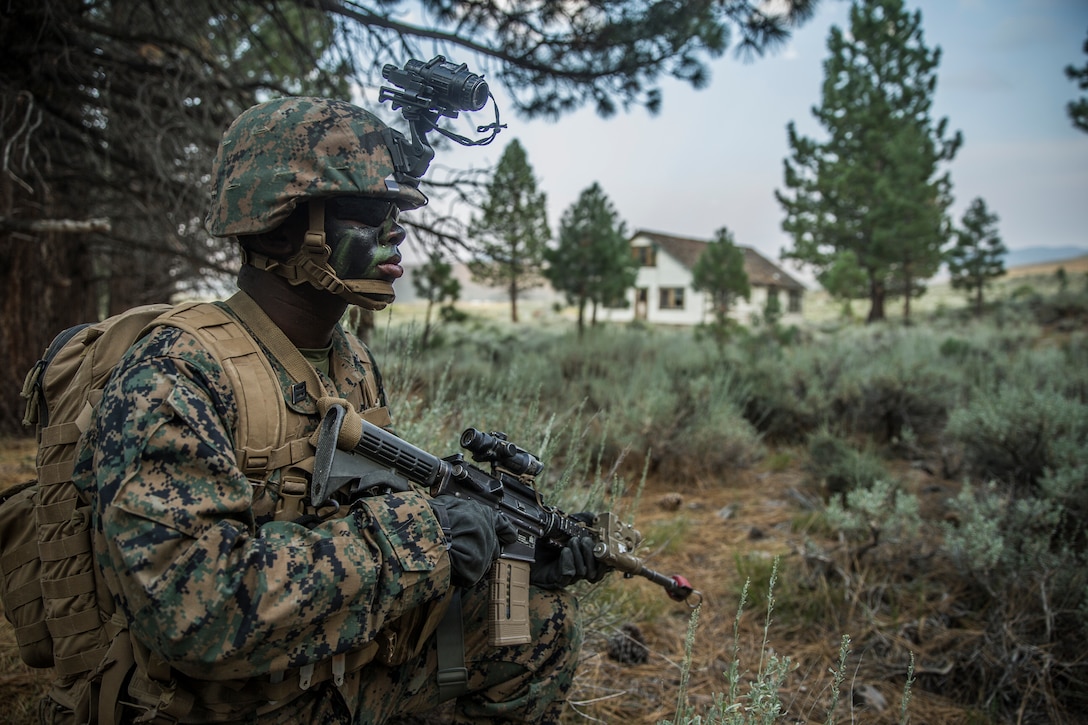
[
  {"x": 208, "y": 580},
  {"x": 508, "y": 685},
  {"x": 281, "y": 152},
  {"x": 218, "y": 588}
]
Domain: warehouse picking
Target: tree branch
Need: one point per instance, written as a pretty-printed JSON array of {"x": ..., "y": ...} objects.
[{"x": 55, "y": 226}]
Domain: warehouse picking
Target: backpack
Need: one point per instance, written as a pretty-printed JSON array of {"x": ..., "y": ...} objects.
[{"x": 52, "y": 592}]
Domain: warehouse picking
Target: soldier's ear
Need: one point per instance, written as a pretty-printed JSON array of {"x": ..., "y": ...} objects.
[{"x": 284, "y": 240}]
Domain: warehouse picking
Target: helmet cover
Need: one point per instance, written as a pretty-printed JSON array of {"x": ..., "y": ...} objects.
[{"x": 288, "y": 150}]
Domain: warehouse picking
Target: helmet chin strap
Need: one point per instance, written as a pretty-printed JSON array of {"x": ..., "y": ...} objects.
[{"x": 311, "y": 264}]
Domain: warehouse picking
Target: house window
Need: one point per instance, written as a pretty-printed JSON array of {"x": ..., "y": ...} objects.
[
  {"x": 795, "y": 301},
  {"x": 672, "y": 298},
  {"x": 644, "y": 256}
]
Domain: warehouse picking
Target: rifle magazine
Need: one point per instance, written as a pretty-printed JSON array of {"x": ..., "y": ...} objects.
[{"x": 509, "y": 616}]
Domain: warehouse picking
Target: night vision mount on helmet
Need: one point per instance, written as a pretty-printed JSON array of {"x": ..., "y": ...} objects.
[{"x": 428, "y": 91}]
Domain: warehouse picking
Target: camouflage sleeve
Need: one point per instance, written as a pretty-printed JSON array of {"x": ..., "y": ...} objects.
[{"x": 202, "y": 584}]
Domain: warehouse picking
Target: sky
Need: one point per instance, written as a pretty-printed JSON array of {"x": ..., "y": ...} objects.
[{"x": 714, "y": 157}]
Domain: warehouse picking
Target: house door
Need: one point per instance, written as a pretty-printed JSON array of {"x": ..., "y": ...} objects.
[{"x": 641, "y": 296}]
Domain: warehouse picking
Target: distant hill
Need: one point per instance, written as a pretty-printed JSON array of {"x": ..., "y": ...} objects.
[
  {"x": 1072, "y": 266},
  {"x": 1038, "y": 255}
]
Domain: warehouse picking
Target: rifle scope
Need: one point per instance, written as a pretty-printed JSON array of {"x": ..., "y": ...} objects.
[{"x": 494, "y": 448}]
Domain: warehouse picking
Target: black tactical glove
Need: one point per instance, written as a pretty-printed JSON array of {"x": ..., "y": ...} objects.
[
  {"x": 473, "y": 532},
  {"x": 557, "y": 568}
]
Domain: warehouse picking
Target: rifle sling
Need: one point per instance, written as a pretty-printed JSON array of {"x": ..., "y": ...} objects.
[{"x": 450, "y": 640}]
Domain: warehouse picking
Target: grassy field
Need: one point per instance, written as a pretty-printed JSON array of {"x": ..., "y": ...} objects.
[
  {"x": 819, "y": 307},
  {"x": 831, "y": 469}
]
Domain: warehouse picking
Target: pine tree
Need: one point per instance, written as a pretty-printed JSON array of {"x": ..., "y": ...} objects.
[
  {"x": 434, "y": 282},
  {"x": 592, "y": 262},
  {"x": 512, "y": 231},
  {"x": 720, "y": 273},
  {"x": 978, "y": 255},
  {"x": 1078, "y": 109},
  {"x": 846, "y": 281},
  {"x": 873, "y": 187}
]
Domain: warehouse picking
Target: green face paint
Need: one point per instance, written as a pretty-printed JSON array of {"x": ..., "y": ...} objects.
[{"x": 364, "y": 236}]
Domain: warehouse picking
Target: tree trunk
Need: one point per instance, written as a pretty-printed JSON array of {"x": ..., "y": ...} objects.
[
  {"x": 877, "y": 293},
  {"x": 426, "y": 324},
  {"x": 513, "y": 299},
  {"x": 45, "y": 278},
  {"x": 908, "y": 283},
  {"x": 581, "y": 317}
]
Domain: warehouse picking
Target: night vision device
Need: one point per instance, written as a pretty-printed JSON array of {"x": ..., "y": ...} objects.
[{"x": 423, "y": 93}]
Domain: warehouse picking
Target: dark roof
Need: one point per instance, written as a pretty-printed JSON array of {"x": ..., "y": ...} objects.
[{"x": 761, "y": 271}]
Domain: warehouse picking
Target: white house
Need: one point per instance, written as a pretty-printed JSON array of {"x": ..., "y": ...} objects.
[{"x": 663, "y": 293}]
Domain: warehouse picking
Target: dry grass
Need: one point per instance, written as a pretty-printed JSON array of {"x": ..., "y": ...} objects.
[
  {"x": 766, "y": 520},
  {"x": 1073, "y": 267}
]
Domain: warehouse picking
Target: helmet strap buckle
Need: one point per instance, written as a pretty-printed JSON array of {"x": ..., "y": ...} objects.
[{"x": 314, "y": 241}]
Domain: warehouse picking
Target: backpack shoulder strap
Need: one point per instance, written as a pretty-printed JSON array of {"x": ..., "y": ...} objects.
[
  {"x": 262, "y": 416},
  {"x": 273, "y": 338},
  {"x": 375, "y": 387}
]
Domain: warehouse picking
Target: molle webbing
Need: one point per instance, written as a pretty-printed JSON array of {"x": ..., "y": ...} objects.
[{"x": 70, "y": 386}]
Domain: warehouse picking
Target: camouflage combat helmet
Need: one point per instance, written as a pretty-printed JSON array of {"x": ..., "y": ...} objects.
[
  {"x": 279, "y": 153},
  {"x": 291, "y": 150}
]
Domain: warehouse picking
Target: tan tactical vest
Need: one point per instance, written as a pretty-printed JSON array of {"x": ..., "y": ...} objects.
[{"x": 52, "y": 591}]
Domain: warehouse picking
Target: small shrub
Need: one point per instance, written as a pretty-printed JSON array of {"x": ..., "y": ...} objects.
[
  {"x": 763, "y": 702},
  {"x": 836, "y": 468},
  {"x": 895, "y": 381},
  {"x": 881, "y": 513},
  {"x": 954, "y": 347},
  {"x": 1022, "y": 292},
  {"x": 1018, "y": 433},
  {"x": 779, "y": 461},
  {"x": 776, "y": 401},
  {"x": 1030, "y": 578},
  {"x": 1067, "y": 305},
  {"x": 691, "y": 425}
]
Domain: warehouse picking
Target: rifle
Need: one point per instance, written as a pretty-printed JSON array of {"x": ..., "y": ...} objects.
[{"x": 355, "y": 454}]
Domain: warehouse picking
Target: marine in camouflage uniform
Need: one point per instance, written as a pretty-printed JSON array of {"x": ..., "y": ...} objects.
[{"x": 233, "y": 591}]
